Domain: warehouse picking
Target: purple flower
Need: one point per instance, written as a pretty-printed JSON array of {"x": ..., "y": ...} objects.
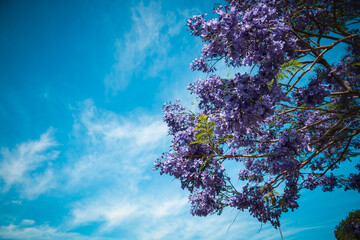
[{"x": 286, "y": 133}]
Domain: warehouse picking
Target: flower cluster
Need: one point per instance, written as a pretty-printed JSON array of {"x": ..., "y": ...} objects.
[{"x": 288, "y": 123}]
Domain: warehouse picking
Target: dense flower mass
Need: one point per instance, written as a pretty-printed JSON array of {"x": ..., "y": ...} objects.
[{"x": 289, "y": 123}]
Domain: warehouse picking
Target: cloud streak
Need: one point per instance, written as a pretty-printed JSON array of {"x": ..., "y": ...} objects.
[
  {"x": 41, "y": 232},
  {"x": 149, "y": 36},
  {"x": 114, "y": 150},
  {"x": 28, "y": 166}
]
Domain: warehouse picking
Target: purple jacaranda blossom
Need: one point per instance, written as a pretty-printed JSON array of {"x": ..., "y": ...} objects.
[{"x": 288, "y": 123}]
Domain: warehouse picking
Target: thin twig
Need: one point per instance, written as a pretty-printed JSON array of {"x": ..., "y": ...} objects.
[
  {"x": 281, "y": 233},
  {"x": 232, "y": 222},
  {"x": 307, "y": 70}
]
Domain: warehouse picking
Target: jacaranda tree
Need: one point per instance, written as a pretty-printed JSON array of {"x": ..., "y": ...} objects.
[{"x": 288, "y": 123}]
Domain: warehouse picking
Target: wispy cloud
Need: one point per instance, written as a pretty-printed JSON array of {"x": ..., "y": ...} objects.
[
  {"x": 149, "y": 36},
  {"x": 28, "y": 166},
  {"x": 114, "y": 209},
  {"x": 115, "y": 150},
  {"x": 27, "y": 222},
  {"x": 41, "y": 232},
  {"x": 111, "y": 211},
  {"x": 109, "y": 128},
  {"x": 118, "y": 156}
]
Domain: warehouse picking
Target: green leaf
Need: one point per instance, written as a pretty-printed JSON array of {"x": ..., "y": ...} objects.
[
  {"x": 288, "y": 69},
  {"x": 205, "y": 130},
  {"x": 202, "y": 117}
]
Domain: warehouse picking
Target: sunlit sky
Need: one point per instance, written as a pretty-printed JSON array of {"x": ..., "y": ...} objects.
[{"x": 82, "y": 84}]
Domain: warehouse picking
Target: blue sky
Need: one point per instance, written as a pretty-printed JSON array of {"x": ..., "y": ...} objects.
[{"x": 82, "y": 84}]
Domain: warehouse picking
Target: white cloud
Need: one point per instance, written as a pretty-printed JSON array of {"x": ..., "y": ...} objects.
[
  {"x": 120, "y": 151},
  {"x": 149, "y": 37},
  {"x": 159, "y": 209},
  {"x": 291, "y": 232},
  {"x": 117, "y": 155},
  {"x": 41, "y": 232},
  {"x": 185, "y": 226},
  {"x": 27, "y": 222},
  {"x": 114, "y": 209},
  {"x": 114, "y": 150},
  {"x": 113, "y": 213},
  {"x": 110, "y": 128},
  {"x": 27, "y": 166}
]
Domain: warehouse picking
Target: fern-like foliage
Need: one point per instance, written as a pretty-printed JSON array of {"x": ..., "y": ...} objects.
[{"x": 288, "y": 69}]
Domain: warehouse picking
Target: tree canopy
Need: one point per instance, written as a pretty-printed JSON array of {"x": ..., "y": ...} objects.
[
  {"x": 288, "y": 123},
  {"x": 349, "y": 228}
]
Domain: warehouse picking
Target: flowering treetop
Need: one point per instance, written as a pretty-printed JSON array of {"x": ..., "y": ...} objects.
[{"x": 289, "y": 122}]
